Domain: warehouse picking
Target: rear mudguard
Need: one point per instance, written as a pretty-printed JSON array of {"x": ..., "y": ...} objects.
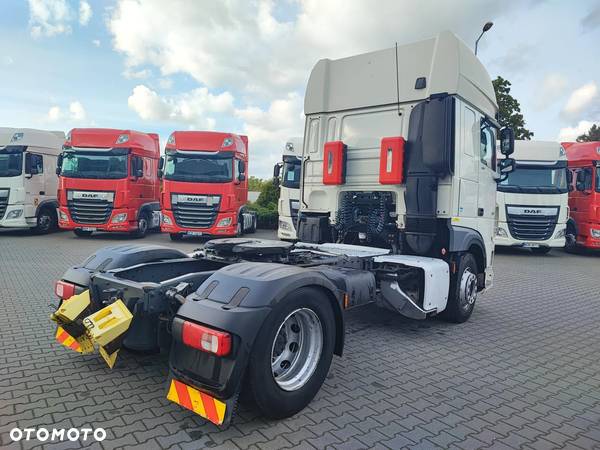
[{"x": 238, "y": 299}]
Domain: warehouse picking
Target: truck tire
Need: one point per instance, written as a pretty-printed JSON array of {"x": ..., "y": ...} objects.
[
  {"x": 463, "y": 291},
  {"x": 292, "y": 353},
  {"x": 82, "y": 233},
  {"x": 46, "y": 221},
  {"x": 142, "y": 226},
  {"x": 175, "y": 236},
  {"x": 541, "y": 250},
  {"x": 253, "y": 227}
]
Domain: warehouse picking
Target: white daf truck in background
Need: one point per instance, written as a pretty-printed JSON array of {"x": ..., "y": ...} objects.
[
  {"x": 287, "y": 174},
  {"x": 533, "y": 201},
  {"x": 28, "y": 181},
  {"x": 397, "y": 208}
]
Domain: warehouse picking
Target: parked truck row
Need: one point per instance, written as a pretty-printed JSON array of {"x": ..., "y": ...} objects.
[{"x": 396, "y": 184}]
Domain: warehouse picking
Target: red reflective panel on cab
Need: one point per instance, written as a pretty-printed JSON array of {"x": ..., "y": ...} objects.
[
  {"x": 334, "y": 163},
  {"x": 391, "y": 160}
]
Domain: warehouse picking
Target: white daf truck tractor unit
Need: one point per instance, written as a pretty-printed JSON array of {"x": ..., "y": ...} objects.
[
  {"x": 28, "y": 181},
  {"x": 397, "y": 208},
  {"x": 533, "y": 200},
  {"x": 287, "y": 174}
]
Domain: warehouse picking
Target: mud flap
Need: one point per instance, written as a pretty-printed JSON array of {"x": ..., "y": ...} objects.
[{"x": 219, "y": 412}]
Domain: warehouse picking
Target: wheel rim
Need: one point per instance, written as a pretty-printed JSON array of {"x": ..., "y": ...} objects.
[
  {"x": 142, "y": 225},
  {"x": 296, "y": 349},
  {"x": 468, "y": 289},
  {"x": 44, "y": 222}
]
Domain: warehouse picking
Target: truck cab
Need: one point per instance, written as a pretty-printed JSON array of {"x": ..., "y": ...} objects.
[
  {"x": 583, "y": 229},
  {"x": 403, "y": 155},
  {"x": 287, "y": 174},
  {"x": 108, "y": 181},
  {"x": 532, "y": 201},
  {"x": 27, "y": 181},
  {"x": 205, "y": 185}
]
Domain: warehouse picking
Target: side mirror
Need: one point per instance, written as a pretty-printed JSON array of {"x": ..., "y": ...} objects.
[
  {"x": 569, "y": 177},
  {"x": 59, "y": 163},
  {"x": 242, "y": 166},
  {"x": 161, "y": 163},
  {"x": 160, "y": 173},
  {"x": 277, "y": 170},
  {"x": 507, "y": 141},
  {"x": 139, "y": 173},
  {"x": 505, "y": 166},
  {"x": 241, "y": 177}
]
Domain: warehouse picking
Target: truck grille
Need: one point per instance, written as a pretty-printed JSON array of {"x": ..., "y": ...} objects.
[
  {"x": 3, "y": 202},
  {"x": 532, "y": 227},
  {"x": 89, "y": 211},
  {"x": 195, "y": 215}
]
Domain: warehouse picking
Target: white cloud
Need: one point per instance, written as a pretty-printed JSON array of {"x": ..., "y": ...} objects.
[
  {"x": 165, "y": 83},
  {"x": 96, "y": 42},
  {"x": 552, "y": 88},
  {"x": 49, "y": 17},
  {"x": 76, "y": 113},
  {"x": 569, "y": 134},
  {"x": 85, "y": 12},
  {"x": 54, "y": 114},
  {"x": 76, "y": 110},
  {"x": 131, "y": 74},
  {"x": 581, "y": 99},
  {"x": 193, "y": 108}
]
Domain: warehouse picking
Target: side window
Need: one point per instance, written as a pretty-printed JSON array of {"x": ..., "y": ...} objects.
[
  {"x": 313, "y": 137},
  {"x": 487, "y": 149},
  {"x": 236, "y": 169},
  {"x": 37, "y": 164},
  {"x": 137, "y": 163},
  {"x": 469, "y": 130}
]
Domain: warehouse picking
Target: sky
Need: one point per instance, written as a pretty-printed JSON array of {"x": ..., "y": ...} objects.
[{"x": 242, "y": 66}]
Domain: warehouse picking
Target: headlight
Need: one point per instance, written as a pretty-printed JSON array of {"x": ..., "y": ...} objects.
[
  {"x": 166, "y": 220},
  {"x": 595, "y": 233},
  {"x": 119, "y": 218},
  {"x": 561, "y": 233},
  {"x": 14, "y": 214},
  {"x": 501, "y": 232},
  {"x": 224, "y": 222},
  {"x": 63, "y": 216},
  {"x": 284, "y": 225}
]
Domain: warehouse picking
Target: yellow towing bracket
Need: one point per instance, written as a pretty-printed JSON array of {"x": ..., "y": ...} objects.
[{"x": 106, "y": 327}]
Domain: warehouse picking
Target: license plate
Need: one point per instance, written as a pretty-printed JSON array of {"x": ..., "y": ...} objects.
[
  {"x": 197, "y": 401},
  {"x": 88, "y": 229},
  {"x": 530, "y": 245},
  {"x": 195, "y": 233}
]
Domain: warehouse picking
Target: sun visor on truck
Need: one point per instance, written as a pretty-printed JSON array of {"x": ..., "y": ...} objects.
[
  {"x": 334, "y": 162},
  {"x": 391, "y": 160}
]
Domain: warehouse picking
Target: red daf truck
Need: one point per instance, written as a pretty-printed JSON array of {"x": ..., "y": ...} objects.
[
  {"x": 205, "y": 187},
  {"x": 108, "y": 181},
  {"x": 583, "y": 228}
]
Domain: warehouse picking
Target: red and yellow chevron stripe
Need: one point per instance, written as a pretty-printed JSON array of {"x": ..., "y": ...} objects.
[
  {"x": 67, "y": 340},
  {"x": 202, "y": 404}
]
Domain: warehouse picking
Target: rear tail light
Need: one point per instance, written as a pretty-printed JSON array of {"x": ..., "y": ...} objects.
[
  {"x": 206, "y": 339},
  {"x": 64, "y": 290}
]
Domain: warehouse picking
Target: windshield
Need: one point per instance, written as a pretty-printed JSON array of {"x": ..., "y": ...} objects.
[
  {"x": 11, "y": 161},
  {"x": 537, "y": 180},
  {"x": 199, "y": 168},
  {"x": 291, "y": 174},
  {"x": 108, "y": 164}
]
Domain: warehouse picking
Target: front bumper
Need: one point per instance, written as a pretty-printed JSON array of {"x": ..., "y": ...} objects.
[
  {"x": 585, "y": 237},
  {"x": 168, "y": 225},
  {"x": 286, "y": 229},
  {"x": 121, "y": 227},
  {"x": 26, "y": 218},
  {"x": 504, "y": 239}
]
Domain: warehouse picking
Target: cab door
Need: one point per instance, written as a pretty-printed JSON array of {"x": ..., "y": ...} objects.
[
  {"x": 469, "y": 162},
  {"x": 34, "y": 181},
  {"x": 582, "y": 194},
  {"x": 486, "y": 189}
]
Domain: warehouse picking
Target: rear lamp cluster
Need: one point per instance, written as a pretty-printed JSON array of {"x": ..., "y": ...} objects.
[
  {"x": 202, "y": 338},
  {"x": 64, "y": 290}
]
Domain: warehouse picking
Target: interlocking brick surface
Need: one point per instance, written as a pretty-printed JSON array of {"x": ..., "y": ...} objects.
[{"x": 524, "y": 372}]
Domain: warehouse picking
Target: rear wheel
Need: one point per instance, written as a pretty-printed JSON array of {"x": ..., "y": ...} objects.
[
  {"x": 292, "y": 353},
  {"x": 82, "y": 233},
  {"x": 175, "y": 236},
  {"x": 46, "y": 221},
  {"x": 254, "y": 225},
  {"x": 463, "y": 291},
  {"x": 541, "y": 250},
  {"x": 239, "y": 229},
  {"x": 571, "y": 238}
]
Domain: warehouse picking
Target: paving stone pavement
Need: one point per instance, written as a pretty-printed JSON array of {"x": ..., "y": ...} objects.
[{"x": 524, "y": 372}]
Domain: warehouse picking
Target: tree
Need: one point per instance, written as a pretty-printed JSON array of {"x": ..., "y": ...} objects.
[
  {"x": 255, "y": 184},
  {"x": 510, "y": 109},
  {"x": 593, "y": 134}
]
